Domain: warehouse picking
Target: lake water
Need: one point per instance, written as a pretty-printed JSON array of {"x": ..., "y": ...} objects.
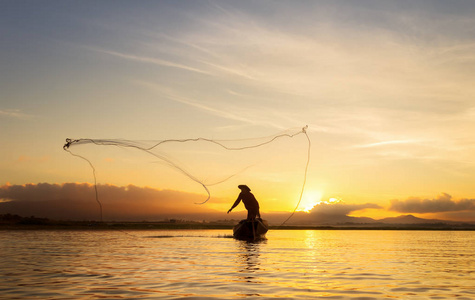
[{"x": 208, "y": 264}]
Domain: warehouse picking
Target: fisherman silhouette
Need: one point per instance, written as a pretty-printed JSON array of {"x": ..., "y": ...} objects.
[{"x": 250, "y": 202}]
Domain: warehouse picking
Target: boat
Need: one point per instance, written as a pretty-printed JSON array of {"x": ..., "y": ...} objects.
[{"x": 251, "y": 230}]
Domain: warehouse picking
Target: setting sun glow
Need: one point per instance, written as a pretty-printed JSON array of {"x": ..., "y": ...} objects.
[
  {"x": 309, "y": 200},
  {"x": 313, "y": 199}
]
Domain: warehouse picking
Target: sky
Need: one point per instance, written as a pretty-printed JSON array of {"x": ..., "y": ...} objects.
[{"x": 385, "y": 87}]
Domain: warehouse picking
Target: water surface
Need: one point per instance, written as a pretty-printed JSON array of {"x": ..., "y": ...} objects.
[{"x": 208, "y": 264}]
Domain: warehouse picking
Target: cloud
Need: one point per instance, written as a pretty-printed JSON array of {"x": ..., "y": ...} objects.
[
  {"x": 13, "y": 113},
  {"x": 340, "y": 209},
  {"x": 443, "y": 203},
  {"x": 76, "y": 201},
  {"x": 27, "y": 159},
  {"x": 151, "y": 60},
  {"x": 385, "y": 143},
  {"x": 331, "y": 213},
  {"x": 230, "y": 112}
]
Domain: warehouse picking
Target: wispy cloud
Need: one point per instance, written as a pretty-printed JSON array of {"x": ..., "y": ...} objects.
[
  {"x": 151, "y": 60},
  {"x": 231, "y": 112},
  {"x": 333, "y": 76},
  {"x": 385, "y": 143},
  {"x": 14, "y": 113},
  {"x": 29, "y": 159}
]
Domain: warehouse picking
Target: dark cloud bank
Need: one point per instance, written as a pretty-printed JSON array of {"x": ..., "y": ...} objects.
[
  {"x": 443, "y": 203},
  {"x": 443, "y": 206},
  {"x": 76, "y": 201}
]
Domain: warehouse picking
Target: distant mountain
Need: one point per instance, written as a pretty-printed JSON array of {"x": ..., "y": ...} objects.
[
  {"x": 410, "y": 219},
  {"x": 326, "y": 219}
]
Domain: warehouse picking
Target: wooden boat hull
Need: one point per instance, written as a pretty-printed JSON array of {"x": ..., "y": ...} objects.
[{"x": 250, "y": 230}]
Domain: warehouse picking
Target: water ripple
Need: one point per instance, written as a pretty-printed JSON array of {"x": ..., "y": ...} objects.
[{"x": 203, "y": 265}]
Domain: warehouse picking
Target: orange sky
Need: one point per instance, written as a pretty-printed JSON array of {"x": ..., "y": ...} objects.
[{"x": 386, "y": 89}]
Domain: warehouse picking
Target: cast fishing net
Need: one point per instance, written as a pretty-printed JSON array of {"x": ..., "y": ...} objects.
[{"x": 202, "y": 161}]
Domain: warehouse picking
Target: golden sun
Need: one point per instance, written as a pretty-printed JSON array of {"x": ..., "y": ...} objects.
[
  {"x": 314, "y": 198},
  {"x": 309, "y": 200}
]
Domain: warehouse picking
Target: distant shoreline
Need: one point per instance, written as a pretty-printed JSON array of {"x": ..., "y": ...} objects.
[
  {"x": 15, "y": 222},
  {"x": 97, "y": 226}
]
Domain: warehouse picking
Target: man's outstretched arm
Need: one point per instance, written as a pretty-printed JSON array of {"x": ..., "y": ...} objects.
[{"x": 235, "y": 204}]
